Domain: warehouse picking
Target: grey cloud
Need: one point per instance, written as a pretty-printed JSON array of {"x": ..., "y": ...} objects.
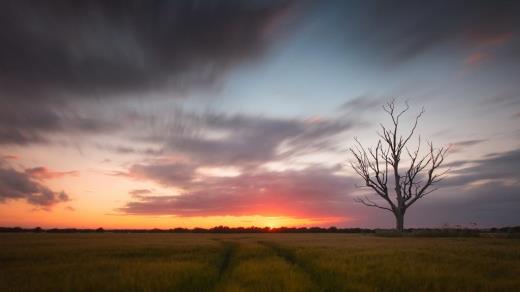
[
  {"x": 20, "y": 137},
  {"x": 24, "y": 123},
  {"x": 220, "y": 139},
  {"x": 244, "y": 139},
  {"x": 123, "y": 149},
  {"x": 171, "y": 174},
  {"x": 16, "y": 185}
]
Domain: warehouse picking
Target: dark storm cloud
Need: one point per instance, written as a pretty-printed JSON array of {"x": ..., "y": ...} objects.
[
  {"x": 309, "y": 192},
  {"x": 97, "y": 48},
  {"x": 16, "y": 185},
  {"x": 401, "y": 30}
]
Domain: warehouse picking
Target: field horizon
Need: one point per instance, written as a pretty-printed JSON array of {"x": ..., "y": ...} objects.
[{"x": 454, "y": 229}]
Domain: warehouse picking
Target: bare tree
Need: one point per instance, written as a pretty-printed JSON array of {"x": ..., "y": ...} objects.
[{"x": 375, "y": 164}]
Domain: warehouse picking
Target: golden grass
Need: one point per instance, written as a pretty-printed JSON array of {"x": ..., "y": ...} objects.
[{"x": 255, "y": 262}]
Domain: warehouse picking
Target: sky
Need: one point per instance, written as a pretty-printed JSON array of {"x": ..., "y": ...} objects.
[{"x": 162, "y": 114}]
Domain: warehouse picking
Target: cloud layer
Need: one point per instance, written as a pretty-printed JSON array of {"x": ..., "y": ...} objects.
[{"x": 311, "y": 192}]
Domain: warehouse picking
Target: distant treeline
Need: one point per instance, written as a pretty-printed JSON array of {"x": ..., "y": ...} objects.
[{"x": 225, "y": 229}]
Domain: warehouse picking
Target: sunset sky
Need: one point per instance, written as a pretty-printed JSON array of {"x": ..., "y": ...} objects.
[{"x": 143, "y": 114}]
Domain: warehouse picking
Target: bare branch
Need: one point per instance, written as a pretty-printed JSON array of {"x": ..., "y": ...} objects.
[{"x": 367, "y": 202}]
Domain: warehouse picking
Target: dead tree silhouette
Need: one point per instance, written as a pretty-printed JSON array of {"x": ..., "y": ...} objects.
[{"x": 375, "y": 165}]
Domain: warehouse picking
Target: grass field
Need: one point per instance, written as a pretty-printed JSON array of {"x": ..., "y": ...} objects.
[{"x": 255, "y": 262}]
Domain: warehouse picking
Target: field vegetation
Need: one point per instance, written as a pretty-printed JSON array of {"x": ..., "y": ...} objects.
[{"x": 255, "y": 262}]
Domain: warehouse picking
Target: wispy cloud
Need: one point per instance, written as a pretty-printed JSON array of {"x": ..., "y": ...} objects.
[{"x": 43, "y": 173}]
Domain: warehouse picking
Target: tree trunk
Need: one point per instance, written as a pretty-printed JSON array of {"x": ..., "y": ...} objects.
[{"x": 399, "y": 221}]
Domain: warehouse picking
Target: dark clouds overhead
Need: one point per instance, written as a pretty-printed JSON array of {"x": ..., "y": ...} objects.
[
  {"x": 102, "y": 48},
  {"x": 58, "y": 55}
]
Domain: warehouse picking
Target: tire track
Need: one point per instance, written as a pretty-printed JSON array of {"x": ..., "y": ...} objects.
[
  {"x": 312, "y": 272},
  {"x": 224, "y": 265},
  {"x": 229, "y": 250}
]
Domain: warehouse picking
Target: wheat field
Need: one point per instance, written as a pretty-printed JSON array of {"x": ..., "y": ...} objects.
[{"x": 255, "y": 262}]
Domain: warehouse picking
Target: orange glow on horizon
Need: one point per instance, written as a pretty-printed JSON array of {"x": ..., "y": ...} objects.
[{"x": 21, "y": 214}]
